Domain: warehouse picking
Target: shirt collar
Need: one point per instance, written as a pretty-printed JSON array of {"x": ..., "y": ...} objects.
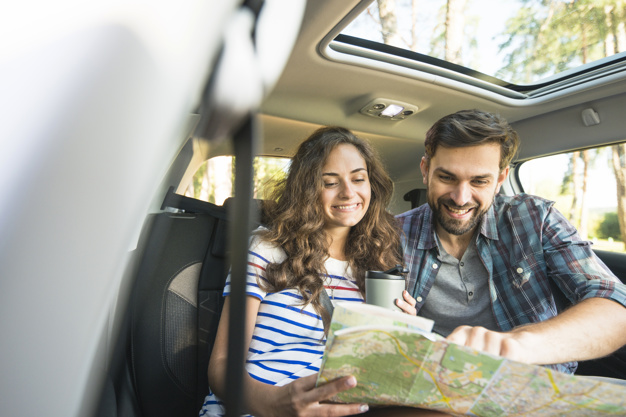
[
  {"x": 427, "y": 238},
  {"x": 488, "y": 226}
]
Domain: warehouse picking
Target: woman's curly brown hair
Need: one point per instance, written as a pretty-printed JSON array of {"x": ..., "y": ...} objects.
[{"x": 296, "y": 221}]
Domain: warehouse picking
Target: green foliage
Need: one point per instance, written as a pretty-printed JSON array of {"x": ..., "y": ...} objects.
[
  {"x": 552, "y": 36},
  {"x": 197, "y": 180},
  {"x": 609, "y": 227},
  {"x": 215, "y": 179},
  {"x": 568, "y": 177},
  {"x": 522, "y": 31},
  {"x": 267, "y": 173}
]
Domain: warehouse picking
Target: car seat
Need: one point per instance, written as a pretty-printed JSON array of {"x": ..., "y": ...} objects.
[{"x": 174, "y": 310}]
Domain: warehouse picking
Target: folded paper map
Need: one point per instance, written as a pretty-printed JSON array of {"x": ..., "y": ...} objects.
[{"x": 397, "y": 361}]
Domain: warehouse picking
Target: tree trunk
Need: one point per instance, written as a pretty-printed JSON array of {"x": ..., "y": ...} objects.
[
  {"x": 414, "y": 28},
  {"x": 610, "y": 40},
  {"x": 620, "y": 33},
  {"x": 389, "y": 22},
  {"x": 584, "y": 47},
  {"x": 584, "y": 212},
  {"x": 455, "y": 25},
  {"x": 572, "y": 217},
  {"x": 615, "y": 42},
  {"x": 619, "y": 168}
]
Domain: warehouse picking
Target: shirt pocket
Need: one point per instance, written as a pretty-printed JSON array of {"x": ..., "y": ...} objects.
[
  {"x": 520, "y": 274},
  {"x": 526, "y": 283}
]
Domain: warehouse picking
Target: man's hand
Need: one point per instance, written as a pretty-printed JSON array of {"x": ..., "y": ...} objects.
[
  {"x": 574, "y": 335},
  {"x": 508, "y": 345},
  {"x": 407, "y": 303}
]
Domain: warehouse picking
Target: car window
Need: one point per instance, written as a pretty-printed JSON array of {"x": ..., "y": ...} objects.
[
  {"x": 585, "y": 186},
  {"x": 214, "y": 180},
  {"x": 520, "y": 45}
]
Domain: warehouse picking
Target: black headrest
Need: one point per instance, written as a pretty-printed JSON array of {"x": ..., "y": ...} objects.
[
  {"x": 257, "y": 204},
  {"x": 191, "y": 205},
  {"x": 417, "y": 197}
]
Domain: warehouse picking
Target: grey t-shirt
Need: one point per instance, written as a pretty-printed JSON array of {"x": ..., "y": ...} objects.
[{"x": 460, "y": 293}]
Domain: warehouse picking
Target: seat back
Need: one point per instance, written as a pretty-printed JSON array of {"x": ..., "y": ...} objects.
[
  {"x": 159, "y": 366},
  {"x": 175, "y": 309}
]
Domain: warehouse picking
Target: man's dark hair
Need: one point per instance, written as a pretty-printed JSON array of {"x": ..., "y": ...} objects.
[{"x": 472, "y": 128}]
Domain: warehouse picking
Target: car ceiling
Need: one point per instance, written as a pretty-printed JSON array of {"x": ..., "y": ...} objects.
[{"x": 314, "y": 90}]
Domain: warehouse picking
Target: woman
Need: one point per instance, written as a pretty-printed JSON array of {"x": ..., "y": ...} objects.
[{"x": 328, "y": 225}]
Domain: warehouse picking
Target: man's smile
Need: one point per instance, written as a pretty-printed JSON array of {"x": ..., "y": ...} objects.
[{"x": 458, "y": 211}]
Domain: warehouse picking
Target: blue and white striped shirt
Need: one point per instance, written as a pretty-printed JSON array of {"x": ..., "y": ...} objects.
[{"x": 288, "y": 341}]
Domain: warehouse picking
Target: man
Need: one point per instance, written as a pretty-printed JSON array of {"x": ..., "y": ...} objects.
[{"x": 499, "y": 273}]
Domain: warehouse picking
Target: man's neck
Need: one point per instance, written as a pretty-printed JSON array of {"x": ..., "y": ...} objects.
[{"x": 455, "y": 245}]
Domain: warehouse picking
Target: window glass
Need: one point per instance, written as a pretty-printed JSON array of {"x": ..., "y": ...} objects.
[
  {"x": 214, "y": 180},
  {"x": 586, "y": 188},
  {"x": 521, "y": 42}
]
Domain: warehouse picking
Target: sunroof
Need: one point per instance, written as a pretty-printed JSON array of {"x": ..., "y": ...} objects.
[{"x": 522, "y": 45}]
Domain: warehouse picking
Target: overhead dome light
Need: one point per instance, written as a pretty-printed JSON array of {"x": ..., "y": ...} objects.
[
  {"x": 387, "y": 109},
  {"x": 392, "y": 110}
]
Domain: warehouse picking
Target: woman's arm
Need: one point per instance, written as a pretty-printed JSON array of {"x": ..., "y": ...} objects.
[
  {"x": 219, "y": 355},
  {"x": 299, "y": 398}
]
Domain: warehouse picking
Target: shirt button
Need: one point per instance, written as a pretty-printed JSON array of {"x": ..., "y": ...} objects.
[
  {"x": 462, "y": 264},
  {"x": 435, "y": 266},
  {"x": 471, "y": 293},
  {"x": 419, "y": 299},
  {"x": 520, "y": 270}
]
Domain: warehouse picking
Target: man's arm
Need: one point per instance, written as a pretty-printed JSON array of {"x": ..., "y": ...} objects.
[{"x": 591, "y": 329}]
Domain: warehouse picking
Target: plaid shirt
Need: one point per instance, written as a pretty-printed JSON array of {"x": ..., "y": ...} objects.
[{"x": 537, "y": 262}]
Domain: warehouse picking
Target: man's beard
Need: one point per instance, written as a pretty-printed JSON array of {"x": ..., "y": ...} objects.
[{"x": 454, "y": 226}]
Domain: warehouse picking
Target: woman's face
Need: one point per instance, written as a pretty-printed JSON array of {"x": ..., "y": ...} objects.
[{"x": 347, "y": 191}]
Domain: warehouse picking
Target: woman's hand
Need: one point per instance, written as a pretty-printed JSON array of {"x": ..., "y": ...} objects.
[
  {"x": 301, "y": 398},
  {"x": 407, "y": 304}
]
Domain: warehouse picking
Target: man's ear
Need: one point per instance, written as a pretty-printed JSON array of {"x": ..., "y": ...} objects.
[
  {"x": 503, "y": 174},
  {"x": 424, "y": 169}
]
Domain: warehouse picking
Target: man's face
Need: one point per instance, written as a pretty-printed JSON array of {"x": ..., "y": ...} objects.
[{"x": 461, "y": 184}]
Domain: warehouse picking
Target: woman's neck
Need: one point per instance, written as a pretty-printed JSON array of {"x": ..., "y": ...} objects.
[{"x": 337, "y": 243}]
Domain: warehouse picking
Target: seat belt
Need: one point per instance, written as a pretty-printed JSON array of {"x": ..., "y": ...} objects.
[{"x": 326, "y": 303}]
